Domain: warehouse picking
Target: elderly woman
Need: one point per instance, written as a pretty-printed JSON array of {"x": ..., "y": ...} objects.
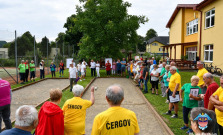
[
  {"x": 191, "y": 98},
  {"x": 155, "y": 79},
  {"x": 74, "y": 110},
  {"x": 201, "y": 116},
  {"x": 166, "y": 83},
  {"x": 53, "y": 69},
  {"x": 51, "y": 119}
]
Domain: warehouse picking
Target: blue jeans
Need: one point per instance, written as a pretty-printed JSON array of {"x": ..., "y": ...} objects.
[{"x": 145, "y": 84}]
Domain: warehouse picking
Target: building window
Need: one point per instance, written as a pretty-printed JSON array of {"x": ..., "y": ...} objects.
[
  {"x": 160, "y": 49},
  {"x": 208, "y": 53},
  {"x": 192, "y": 27},
  {"x": 209, "y": 18},
  {"x": 154, "y": 44},
  {"x": 191, "y": 53}
]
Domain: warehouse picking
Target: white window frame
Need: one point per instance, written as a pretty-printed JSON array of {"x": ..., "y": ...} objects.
[
  {"x": 190, "y": 27},
  {"x": 209, "y": 17},
  {"x": 209, "y": 50},
  {"x": 154, "y": 44},
  {"x": 160, "y": 49}
]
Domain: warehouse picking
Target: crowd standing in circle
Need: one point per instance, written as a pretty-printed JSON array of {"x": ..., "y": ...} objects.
[{"x": 202, "y": 99}]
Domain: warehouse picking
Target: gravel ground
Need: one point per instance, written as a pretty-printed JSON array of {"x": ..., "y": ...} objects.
[
  {"x": 148, "y": 123},
  {"x": 35, "y": 94}
]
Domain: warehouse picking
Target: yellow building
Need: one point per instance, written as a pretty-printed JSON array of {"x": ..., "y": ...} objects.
[
  {"x": 155, "y": 45},
  {"x": 183, "y": 25},
  {"x": 210, "y": 33}
]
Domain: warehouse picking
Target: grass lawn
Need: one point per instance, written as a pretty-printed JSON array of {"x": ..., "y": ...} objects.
[{"x": 158, "y": 102}]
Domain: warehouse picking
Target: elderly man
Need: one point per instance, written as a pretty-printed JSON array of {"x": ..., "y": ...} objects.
[
  {"x": 212, "y": 87},
  {"x": 115, "y": 120},
  {"x": 173, "y": 91},
  {"x": 216, "y": 100},
  {"x": 22, "y": 71},
  {"x": 5, "y": 101},
  {"x": 74, "y": 110},
  {"x": 201, "y": 84},
  {"x": 26, "y": 119},
  {"x": 93, "y": 68},
  {"x": 32, "y": 71},
  {"x": 72, "y": 75}
]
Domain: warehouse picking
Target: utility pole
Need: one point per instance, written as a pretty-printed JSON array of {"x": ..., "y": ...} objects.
[
  {"x": 47, "y": 55},
  {"x": 34, "y": 43},
  {"x": 16, "y": 58},
  {"x": 63, "y": 51}
]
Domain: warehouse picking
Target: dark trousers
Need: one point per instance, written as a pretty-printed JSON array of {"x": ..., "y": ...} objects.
[
  {"x": 93, "y": 70},
  {"x": 220, "y": 129},
  {"x": 155, "y": 84},
  {"x": 108, "y": 72},
  {"x": 26, "y": 75},
  {"x": 186, "y": 112},
  {"x": 42, "y": 74},
  {"x": 72, "y": 80},
  {"x": 32, "y": 74},
  {"x": 5, "y": 115},
  {"x": 22, "y": 77},
  {"x": 53, "y": 73}
]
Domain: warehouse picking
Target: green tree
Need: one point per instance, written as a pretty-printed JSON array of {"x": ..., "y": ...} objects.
[
  {"x": 141, "y": 44},
  {"x": 107, "y": 28},
  {"x": 150, "y": 34},
  {"x": 43, "y": 46}
]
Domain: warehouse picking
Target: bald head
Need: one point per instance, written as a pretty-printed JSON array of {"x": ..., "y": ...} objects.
[{"x": 115, "y": 94}]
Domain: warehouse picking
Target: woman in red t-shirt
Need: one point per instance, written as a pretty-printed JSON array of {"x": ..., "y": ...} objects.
[{"x": 108, "y": 68}]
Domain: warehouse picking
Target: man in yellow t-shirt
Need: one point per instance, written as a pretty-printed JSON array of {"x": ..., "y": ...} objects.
[
  {"x": 201, "y": 84},
  {"x": 74, "y": 110},
  {"x": 216, "y": 100},
  {"x": 115, "y": 120},
  {"x": 173, "y": 91}
]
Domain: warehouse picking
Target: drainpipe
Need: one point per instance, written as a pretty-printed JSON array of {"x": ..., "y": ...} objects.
[{"x": 200, "y": 35}]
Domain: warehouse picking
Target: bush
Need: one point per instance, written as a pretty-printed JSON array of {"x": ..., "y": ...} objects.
[{"x": 7, "y": 62}]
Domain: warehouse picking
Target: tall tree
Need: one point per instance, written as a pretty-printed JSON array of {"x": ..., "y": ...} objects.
[
  {"x": 107, "y": 28},
  {"x": 141, "y": 46},
  {"x": 150, "y": 34},
  {"x": 72, "y": 35},
  {"x": 43, "y": 46}
]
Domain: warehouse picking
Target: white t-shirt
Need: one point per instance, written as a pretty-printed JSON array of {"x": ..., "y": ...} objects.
[
  {"x": 154, "y": 72},
  {"x": 93, "y": 64},
  {"x": 79, "y": 67},
  {"x": 85, "y": 63},
  {"x": 160, "y": 68},
  {"x": 82, "y": 68},
  {"x": 97, "y": 66},
  {"x": 72, "y": 71}
]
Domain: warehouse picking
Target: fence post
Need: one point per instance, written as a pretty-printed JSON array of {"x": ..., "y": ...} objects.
[{"x": 16, "y": 58}]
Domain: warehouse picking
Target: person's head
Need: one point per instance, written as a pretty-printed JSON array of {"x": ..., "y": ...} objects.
[
  {"x": 113, "y": 60},
  {"x": 42, "y": 61},
  {"x": 153, "y": 58},
  {"x": 123, "y": 59},
  {"x": 194, "y": 80},
  {"x": 208, "y": 78},
  {"x": 221, "y": 81},
  {"x": 199, "y": 116},
  {"x": 79, "y": 62},
  {"x": 55, "y": 95},
  {"x": 97, "y": 61},
  {"x": 167, "y": 67},
  {"x": 155, "y": 66},
  {"x": 27, "y": 61},
  {"x": 200, "y": 64},
  {"x": 160, "y": 62},
  {"x": 71, "y": 65},
  {"x": 151, "y": 62},
  {"x": 22, "y": 61},
  {"x": 61, "y": 61},
  {"x": 51, "y": 63},
  {"x": 114, "y": 95},
  {"x": 107, "y": 61},
  {"x": 32, "y": 61},
  {"x": 173, "y": 70},
  {"x": 172, "y": 63},
  {"x": 164, "y": 64},
  {"x": 92, "y": 60},
  {"x": 144, "y": 64},
  {"x": 77, "y": 90},
  {"x": 26, "y": 116}
]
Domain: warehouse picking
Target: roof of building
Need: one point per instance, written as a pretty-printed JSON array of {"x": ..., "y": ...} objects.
[
  {"x": 177, "y": 9},
  {"x": 203, "y": 4},
  {"x": 161, "y": 39}
]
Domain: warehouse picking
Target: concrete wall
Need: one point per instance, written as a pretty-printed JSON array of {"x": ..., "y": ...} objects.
[
  {"x": 54, "y": 52},
  {"x": 4, "y": 53}
]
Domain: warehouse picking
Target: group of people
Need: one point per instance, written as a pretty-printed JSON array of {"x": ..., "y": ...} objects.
[{"x": 70, "y": 120}]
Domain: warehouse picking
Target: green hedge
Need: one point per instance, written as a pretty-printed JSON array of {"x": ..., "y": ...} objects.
[{"x": 7, "y": 62}]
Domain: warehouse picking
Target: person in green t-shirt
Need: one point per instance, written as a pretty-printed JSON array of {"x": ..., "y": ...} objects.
[
  {"x": 22, "y": 71},
  {"x": 162, "y": 73},
  {"x": 32, "y": 71},
  {"x": 191, "y": 98}
]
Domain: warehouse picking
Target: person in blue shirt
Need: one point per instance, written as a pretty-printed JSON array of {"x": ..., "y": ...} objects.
[
  {"x": 123, "y": 62},
  {"x": 119, "y": 67},
  {"x": 52, "y": 69},
  {"x": 154, "y": 61},
  {"x": 26, "y": 120}
]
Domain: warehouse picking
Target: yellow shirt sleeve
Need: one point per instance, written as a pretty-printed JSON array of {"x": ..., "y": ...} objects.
[
  {"x": 88, "y": 103},
  {"x": 217, "y": 92},
  {"x": 95, "y": 127}
]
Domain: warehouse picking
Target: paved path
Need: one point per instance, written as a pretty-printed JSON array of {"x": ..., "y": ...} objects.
[
  {"x": 148, "y": 122},
  {"x": 35, "y": 94}
]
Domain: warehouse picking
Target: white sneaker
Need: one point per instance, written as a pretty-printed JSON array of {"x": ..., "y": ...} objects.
[
  {"x": 167, "y": 101},
  {"x": 80, "y": 80}
]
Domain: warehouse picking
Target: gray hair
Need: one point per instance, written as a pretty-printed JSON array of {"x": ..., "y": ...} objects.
[
  {"x": 22, "y": 60},
  {"x": 173, "y": 68},
  {"x": 32, "y": 60},
  {"x": 115, "y": 94},
  {"x": 201, "y": 62},
  {"x": 208, "y": 75},
  {"x": 25, "y": 116},
  {"x": 77, "y": 90},
  {"x": 164, "y": 63}
]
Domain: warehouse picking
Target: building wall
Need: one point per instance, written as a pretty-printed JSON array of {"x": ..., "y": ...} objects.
[
  {"x": 155, "y": 49},
  {"x": 4, "y": 53},
  {"x": 213, "y": 35}
]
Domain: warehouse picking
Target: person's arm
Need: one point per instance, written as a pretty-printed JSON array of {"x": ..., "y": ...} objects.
[
  {"x": 146, "y": 75},
  {"x": 180, "y": 93},
  {"x": 136, "y": 134},
  {"x": 92, "y": 95},
  {"x": 196, "y": 98}
]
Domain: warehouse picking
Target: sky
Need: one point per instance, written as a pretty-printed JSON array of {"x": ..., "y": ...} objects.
[{"x": 47, "y": 17}]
